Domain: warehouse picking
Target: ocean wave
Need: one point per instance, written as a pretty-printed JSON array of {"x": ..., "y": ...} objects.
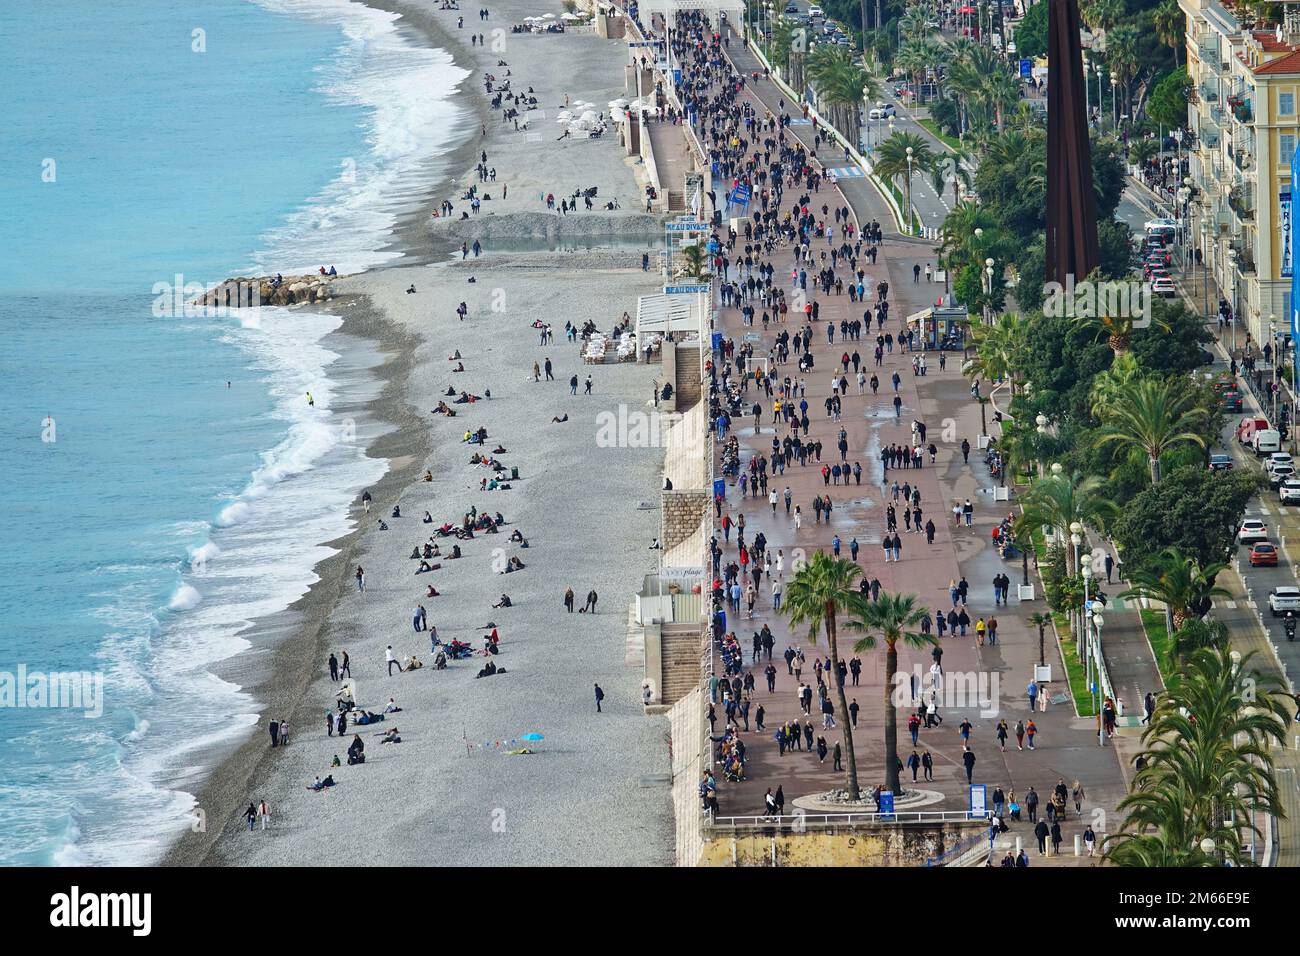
[
  {"x": 185, "y": 598},
  {"x": 411, "y": 119}
]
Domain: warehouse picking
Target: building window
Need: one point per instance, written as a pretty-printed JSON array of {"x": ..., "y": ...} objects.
[
  {"x": 1286, "y": 104},
  {"x": 1287, "y": 143}
]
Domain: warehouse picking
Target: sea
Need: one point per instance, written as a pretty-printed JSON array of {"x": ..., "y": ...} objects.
[{"x": 166, "y": 480}]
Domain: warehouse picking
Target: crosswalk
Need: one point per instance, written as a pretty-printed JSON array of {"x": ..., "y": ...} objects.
[
  {"x": 845, "y": 172},
  {"x": 800, "y": 121}
]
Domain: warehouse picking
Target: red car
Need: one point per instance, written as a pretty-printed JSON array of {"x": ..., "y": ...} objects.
[{"x": 1263, "y": 555}]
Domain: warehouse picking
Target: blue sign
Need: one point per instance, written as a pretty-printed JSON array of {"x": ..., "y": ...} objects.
[
  {"x": 1026, "y": 69},
  {"x": 740, "y": 195},
  {"x": 979, "y": 807},
  {"x": 1289, "y": 237},
  {"x": 886, "y": 804},
  {"x": 695, "y": 289},
  {"x": 686, "y": 226}
]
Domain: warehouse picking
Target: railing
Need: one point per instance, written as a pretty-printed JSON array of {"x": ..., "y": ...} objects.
[
  {"x": 961, "y": 849},
  {"x": 850, "y": 819}
]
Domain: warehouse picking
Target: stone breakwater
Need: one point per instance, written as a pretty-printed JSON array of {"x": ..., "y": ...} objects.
[
  {"x": 248, "y": 292},
  {"x": 547, "y": 225}
]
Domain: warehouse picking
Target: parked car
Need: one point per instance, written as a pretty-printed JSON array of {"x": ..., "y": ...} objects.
[
  {"x": 881, "y": 111},
  {"x": 792, "y": 8},
  {"x": 1230, "y": 401},
  {"x": 1278, "y": 458},
  {"x": 1220, "y": 462},
  {"x": 1289, "y": 490},
  {"x": 1263, "y": 555},
  {"x": 1265, "y": 441},
  {"x": 1252, "y": 531},
  {"x": 1247, "y": 427},
  {"x": 1284, "y": 598}
]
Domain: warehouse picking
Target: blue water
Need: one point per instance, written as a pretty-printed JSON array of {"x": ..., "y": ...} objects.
[{"x": 166, "y": 481}]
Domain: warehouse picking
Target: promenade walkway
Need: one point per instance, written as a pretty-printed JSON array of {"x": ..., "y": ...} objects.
[{"x": 1067, "y": 746}]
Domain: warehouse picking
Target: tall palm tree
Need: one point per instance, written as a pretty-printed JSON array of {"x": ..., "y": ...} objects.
[
  {"x": 1123, "y": 56},
  {"x": 1060, "y": 501},
  {"x": 1208, "y": 765},
  {"x": 1040, "y": 620},
  {"x": 1000, "y": 349},
  {"x": 1171, "y": 26},
  {"x": 890, "y": 618},
  {"x": 952, "y": 168},
  {"x": 1179, "y": 582},
  {"x": 1101, "y": 15},
  {"x": 1154, "y": 416},
  {"x": 818, "y": 595},
  {"x": 841, "y": 82},
  {"x": 892, "y": 159},
  {"x": 1113, "y": 384}
]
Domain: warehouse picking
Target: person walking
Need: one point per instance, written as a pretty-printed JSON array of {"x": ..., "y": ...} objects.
[
  {"x": 853, "y": 713},
  {"x": 334, "y": 668},
  {"x": 1030, "y": 732},
  {"x": 568, "y": 600},
  {"x": 264, "y": 814},
  {"x": 1041, "y": 832},
  {"x": 1090, "y": 840},
  {"x": 590, "y": 606},
  {"x": 251, "y": 816},
  {"x": 391, "y": 659},
  {"x": 1077, "y": 793},
  {"x": 600, "y": 695},
  {"x": 1056, "y": 837},
  {"x": 1031, "y": 804},
  {"x": 927, "y": 765},
  {"x": 1020, "y": 735},
  {"x": 360, "y": 575},
  {"x": 968, "y": 761},
  {"x": 914, "y": 764},
  {"x": 1002, "y": 735}
]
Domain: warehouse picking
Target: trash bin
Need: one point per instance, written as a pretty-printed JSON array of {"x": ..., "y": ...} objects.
[{"x": 514, "y": 473}]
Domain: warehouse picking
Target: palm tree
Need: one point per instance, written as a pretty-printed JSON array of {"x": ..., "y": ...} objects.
[
  {"x": 695, "y": 261},
  {"x": 1154, "y": 416},
  {"x": 1000, "y": 349},
  {"x": 1060, "y": 500},
  {"x": 817, "y": 595},
  {"x": 1179, "y": 582},
  {"x": 952, "y": 167},
  {"x": 1113, "y": 384},
  {"x": 1040, "y": 620},
  {"x": 841, "y": 82},
  {"x": 903, "y": 154},
  {"x": 1101, "y": 15},
  {"x": 1123, "y": 56},
  {"x": 1208, "y": 765},
  {"x": 890, "y": 618}
]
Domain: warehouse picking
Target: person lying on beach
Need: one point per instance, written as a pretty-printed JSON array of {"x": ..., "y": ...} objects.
[
  {"x": 499, "y": 450},
  {"x": 465, "y": 398},
  {"x": 557, "y": 420},
  {"x": 504, "y": 602},
  {"x": 391, "y": 736},
  {"x": 444, "y": 409},
  {"x": 322, "y": 784},
  {"x": 392, "y": 707},
  {"x": 366, "y": 717}
]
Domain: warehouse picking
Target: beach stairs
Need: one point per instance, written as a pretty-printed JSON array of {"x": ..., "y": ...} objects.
[
  {"x": 687, "y": 377},
  {"x": 682, "y": 649}
]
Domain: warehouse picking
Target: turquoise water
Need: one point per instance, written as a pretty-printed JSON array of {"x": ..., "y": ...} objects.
[{"x": 167, "y": 482}]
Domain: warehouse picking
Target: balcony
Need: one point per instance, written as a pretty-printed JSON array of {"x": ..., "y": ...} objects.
[
  {"x": 1208, "y": 52},
  {"x": 1241, "y": 200},
  {"x": 1242, "y": 111},
  {"x": 1209, "y": 92},
  {"x": 1244, "y": 160}
]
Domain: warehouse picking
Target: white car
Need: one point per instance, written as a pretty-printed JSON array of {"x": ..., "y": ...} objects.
[
  {"x": 881, "y": 111},
  {"x": 1253, "y": 531},
  {"x": 1280, "y": 473},
  {"x": 1289, "y": 490},
  {"x": 1284, "y": 598},
  {"x": 1278, "y": 458}
]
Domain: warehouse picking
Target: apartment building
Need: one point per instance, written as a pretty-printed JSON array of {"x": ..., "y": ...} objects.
[{"x": 1244, "y": 74}]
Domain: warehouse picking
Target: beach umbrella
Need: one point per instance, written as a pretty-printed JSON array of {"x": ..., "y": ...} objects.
[{"x": 548, "y": 16}]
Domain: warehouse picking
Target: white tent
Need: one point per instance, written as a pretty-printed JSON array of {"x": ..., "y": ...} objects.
[{"x": 661, "y": 313}]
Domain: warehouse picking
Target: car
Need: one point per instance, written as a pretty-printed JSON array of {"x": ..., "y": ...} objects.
[
  {"x": 1230, "y": 401},
  {"x": 1278, "y": 458},
  {"x": 1263, "y": 555},
  {"x": 1280, "y": 474},
  {"x": 1286, "y": 597},
  {"x": 1163, "y": 285},
  {"x": 1252, "y": 531},
  {"x": 881, "y": 111},
  {"x": 1220, "y": 462},
  {"x": 815, "y": 11},
  {"x": 1289, "y": 490},
  {"x": 792, "y": 8},
  {"x": 1247, "y": 427}
]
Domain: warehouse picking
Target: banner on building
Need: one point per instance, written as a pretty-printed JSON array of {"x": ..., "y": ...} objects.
[{"x": 1284, "y": 229}]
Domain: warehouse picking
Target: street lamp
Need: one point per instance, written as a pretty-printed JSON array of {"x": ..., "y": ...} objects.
[
  {"x": 909, "y": 190},
  {"x": 1114, "y": 112},
  {"x": 1097, "y": 622},
  {"x": 1272, "y": 341},
  {"x": 988, "y": 307}
]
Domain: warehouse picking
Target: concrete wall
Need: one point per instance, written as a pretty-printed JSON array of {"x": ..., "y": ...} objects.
[{"x": 900, "y": 844}]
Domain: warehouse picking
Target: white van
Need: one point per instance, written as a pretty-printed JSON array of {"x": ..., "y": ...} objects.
[
  {"x": 1266, "y": 441},
  {"x": 815, "y": 12}
]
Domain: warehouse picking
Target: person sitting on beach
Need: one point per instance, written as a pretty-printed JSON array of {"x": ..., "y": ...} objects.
[
  {"x": 450, "y": 393},
  {"x": 414, "y": 663},
  {"x": 557, "y": 420},
  {"x": 432, "y": 592},
  {"x": 336, "y": 762},
  {"x": 428, "y": 518},
  {"x": 392, "y": 707},
  {"x": 320, "y": 784},
  {"x": 455, "y": 552},
  {"x": 499, "y": 450},
  {"x": 460, "y": 367},
  {"x": 504, "y": 602},
  {"x": 411, "y": 290},
  {"x": 397, "y": 511},
  {"x": 382, "y": 525},
  {"x": 454, "y": 356},
  {"x": 391, "y": 736},
  {"x": 516, "y": 535},
  {"x": 415, "y": 553},
  {"x": 428, "y": 476},
  {"x": 487, "y": 670},
  {"x": 514, "y": 564},
  {"x": 424, "y": 566},
  {"x": 333, "y": 271},
  {"x": 356, "y": 751}
]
